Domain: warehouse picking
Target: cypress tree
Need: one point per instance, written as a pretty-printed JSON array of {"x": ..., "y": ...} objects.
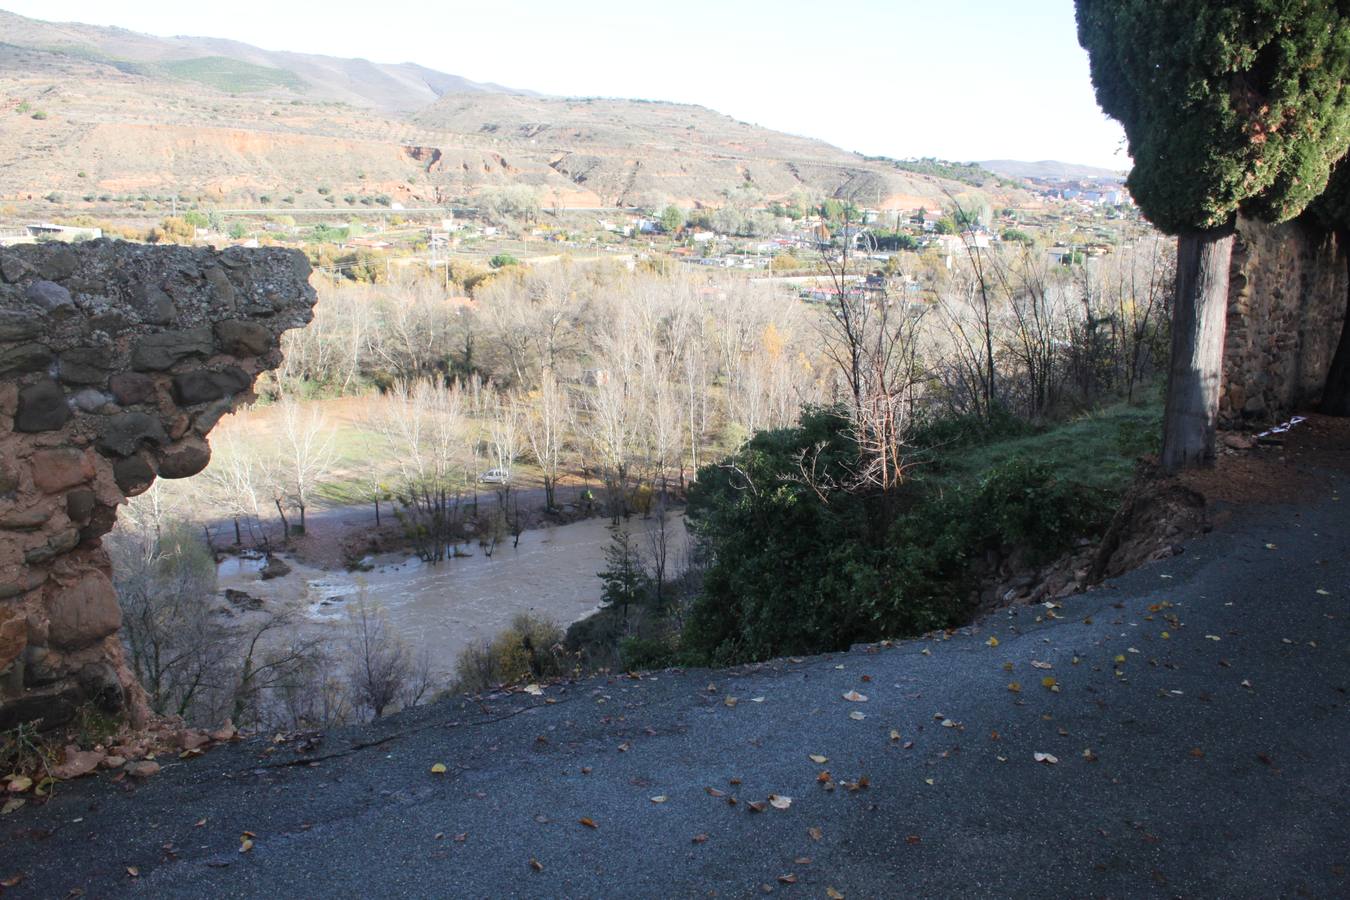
[{"x": 1227, "y": 107}]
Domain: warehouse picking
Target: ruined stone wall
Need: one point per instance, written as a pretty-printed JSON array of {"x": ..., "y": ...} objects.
[
  {"x": 116, "y": 360},
  {"x": 1286, "y": 305}
]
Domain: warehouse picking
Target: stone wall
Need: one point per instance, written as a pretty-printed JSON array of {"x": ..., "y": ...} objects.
[
  {"x": 116, "y": 360},
  {"x": 1286, "y": 306}
]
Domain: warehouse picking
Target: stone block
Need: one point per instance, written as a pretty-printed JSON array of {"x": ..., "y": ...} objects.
[
  {"x": 242, "y": 338},
  {"x": 42, "y": 407},
  {"x": 125, "y": 433},
  {"x": 56, "y": 470},
  {"x": 131, "y": 388},
  {"x": 83, "y": 613},
  {"x": 159, "y": 351}
]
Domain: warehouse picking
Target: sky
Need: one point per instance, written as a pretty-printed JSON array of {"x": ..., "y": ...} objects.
[{"x": 956, "y": 79}]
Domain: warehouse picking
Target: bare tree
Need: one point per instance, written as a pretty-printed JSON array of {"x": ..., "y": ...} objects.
[
  {"x": 547, "y": 425},
  {"x": 380, "y": 664}
]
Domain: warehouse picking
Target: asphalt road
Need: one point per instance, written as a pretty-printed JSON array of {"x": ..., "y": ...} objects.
[{"x": 1200, "y": 730}]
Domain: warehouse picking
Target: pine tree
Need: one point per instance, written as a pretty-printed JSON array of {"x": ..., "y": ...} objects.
[
  {"x": 624, "y": 577},
  {"x": 1228, "y": 107}
]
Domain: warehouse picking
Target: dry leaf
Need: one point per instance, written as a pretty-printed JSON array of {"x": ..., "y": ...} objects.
[
  {"x": 855, "y": 697},
  {"x": 438, "y": 769},
  {"x": 534, "y": 690},
  {"x": 895, "y": 735},
  {"x": 730, "y": 701},
  {"x": 660, "y": 798},
  {"x": 246, "y": 845},
  {"x": 588, "y": 822},
  {"x": 777, "y": 801},
  {"x": 757, "y": 805},
  {"x": 700, "y": 839},
  {"x": 992, "y": 642},
  {"x": 912, "y": 839},
  {"x": 1049, "y": 682},
  {"x": 1037, "y": 664},
  {"x": 1048, "y": 758},
  {"x": 823, "y": 777},
  {"x": 948, "y": 723},
  {"x": 19, "y": 783},
  {"x": 201, "y": 823},
  {"x": 536, "y": 865},
  {"x": 13, "y": 881},
  {"x": 714, "y": 792},
  {"x": 788, "y": 878},
  {"x": 832, "y": 894},
  {"x": 133, "y": 871},
  {"x": 1015, "y": 687},
  {"x": 12, "y": 804},
  {"x": 818, "y": 759},
  {"x": 624, "y": 747},
  {"x": 857, "y": 715}
]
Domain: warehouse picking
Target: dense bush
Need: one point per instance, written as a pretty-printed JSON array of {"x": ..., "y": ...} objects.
[{"x": 799, "y": 567}]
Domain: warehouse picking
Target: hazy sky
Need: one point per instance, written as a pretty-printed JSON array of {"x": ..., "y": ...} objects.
[{"x": 958, "y": 79}]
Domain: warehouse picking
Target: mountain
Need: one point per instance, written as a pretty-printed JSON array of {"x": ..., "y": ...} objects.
[
  {"x": 234, "y": 66},
  {"x": 1052, "y": 170},
  {"x": 106, "y": 116}
]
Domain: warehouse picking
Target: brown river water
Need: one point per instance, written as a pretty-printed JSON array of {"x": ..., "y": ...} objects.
[{"x": 461, "y": 601}]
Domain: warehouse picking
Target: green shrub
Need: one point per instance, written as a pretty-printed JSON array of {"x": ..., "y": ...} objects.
[{"x": 527, "y": 650}]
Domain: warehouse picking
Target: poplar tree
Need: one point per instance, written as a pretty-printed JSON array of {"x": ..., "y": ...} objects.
[{"x": 1227, "y": 107}]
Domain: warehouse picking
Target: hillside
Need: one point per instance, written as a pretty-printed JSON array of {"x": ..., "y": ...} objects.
[
  {"x": 1050, "y": 169},
  {"x": 107, "y": 117}
]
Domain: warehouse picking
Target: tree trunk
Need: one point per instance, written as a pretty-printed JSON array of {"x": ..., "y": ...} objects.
[
  {"x": 1199, "y": 316},
  {"x": 1336, "y": 394}
]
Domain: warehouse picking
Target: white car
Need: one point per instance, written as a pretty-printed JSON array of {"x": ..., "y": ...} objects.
[{"x": 495, "y": 476}]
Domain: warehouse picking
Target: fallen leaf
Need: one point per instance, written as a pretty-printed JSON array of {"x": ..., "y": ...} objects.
[
  {"x": 928, "y": 781},
  {"x": 534, "y": 690},
  {"x": 832, "y": 894},
  {"x": 757, "y": 805},
  {"x": 788, "y": 878},
  {"x": 815, "y": 833},
  {"x": 1197, "y": 753},
  {"x": 818, "y": 759},
  {"x": 948, "y": 723},
  {"x": 714, "y": 792},
  {"x": 803, "y": 860},
  {"x": 536, "y": 865},
  {"x": 730, "y": 701},
  {"x": 1037, "y": 664},
  {"x": 624, "y": 747},
  {"x": 1120, "y": 657},
  {"x": 1165, "y": 636},
  {"x": 19, "y": 783},
  {"x": 12, "y": 804},
  {"x": 246, "y": 845},
  {"x": 895, "y": 735},
  {"x": 133, "y": 872},
  {"x": 660, "y": 798},
  {"x": 857, "y": 715},
  {"x": 201, "y": 823},
  {"x": 777, "y": 801},
  {"x": 1047, "y": 758},
  {"x": 1324, "y": 593},
  {"x": 992, "y": 642},
  {"x": 913, "y": 839},
  {"x": 700, "y": 839},
  {"x": 1015, "y": 687},
  {"x": 438, "y": 769},
  {"x": 855, "y": 697},
  {"x": 1049, "y": 683},
  {"x": 823, "y": 777},
  {"x": 588, "y": 822},
  {"x": 13, "y": 881},
  {"x": 1089, "y": 755}
]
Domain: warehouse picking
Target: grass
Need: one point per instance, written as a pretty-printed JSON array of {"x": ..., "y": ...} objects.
[
  {"x": 1097, "y": 450},
  {"x": 233, "y": 76}
]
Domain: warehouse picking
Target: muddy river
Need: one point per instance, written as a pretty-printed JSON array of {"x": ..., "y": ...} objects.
[{"x": 458, "y": 602}]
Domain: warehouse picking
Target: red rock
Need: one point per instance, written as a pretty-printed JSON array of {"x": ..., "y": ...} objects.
[
  {"x": 114, "y": 762},
  {"x": 78, "y": 762},
  {"x": 83, "y": 613},
  {"x": 226, "y": 732},
  {"x": 143, "y": 769},
  {"x": 13, "y": 638},
  {"x": 191, "y": 740},
  {"x": 56, "y": 470}
]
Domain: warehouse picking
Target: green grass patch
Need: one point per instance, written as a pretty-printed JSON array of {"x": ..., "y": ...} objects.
[{"x": 233, "y": 76}]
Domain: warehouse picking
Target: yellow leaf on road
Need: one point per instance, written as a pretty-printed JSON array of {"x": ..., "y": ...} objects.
[
  {"x": 855, "y": 697},
  {"x": 818, "y": 759},
  {"x": 438, "y": 769}
]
